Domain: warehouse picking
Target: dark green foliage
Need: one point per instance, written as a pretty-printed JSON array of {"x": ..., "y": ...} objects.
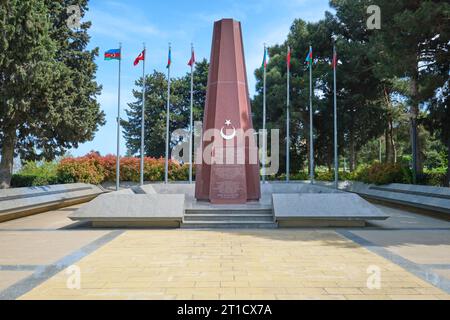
[
  {"x": 47, "y": 82},
  {"x": 384, "y": 173},
  {"x": 383, "y": 77},
  {"x": 36, "y": 174},
  {"x": 155, "y": 109}
]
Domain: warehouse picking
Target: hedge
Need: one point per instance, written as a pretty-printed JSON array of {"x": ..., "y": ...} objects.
[
  {"x": 96, "y": 169},
  {"x": 35, "y": 174}
]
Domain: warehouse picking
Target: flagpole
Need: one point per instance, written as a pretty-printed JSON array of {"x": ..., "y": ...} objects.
[
  {"x": 143, "y": 120},
  {"x": 118, "y": 125},
  {"x": 191, "y": 124},
  {"x": 264, "y": 120},
  {"x": 336, "y": 157},
  {"x": 166, "y": 174},
  {"x": 288, "y": 136},
  {"x": 311, "y": 133}
]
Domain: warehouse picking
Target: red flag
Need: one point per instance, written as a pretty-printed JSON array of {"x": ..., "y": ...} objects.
[
  {"x": 192, "y": 61},
  {"x": 141, "y": 57},
  {"x": 288, "y": 58},
  {"x": 334, "y": 63}
]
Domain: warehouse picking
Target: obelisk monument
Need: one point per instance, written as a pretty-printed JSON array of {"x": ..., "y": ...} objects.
[{"x": 228, "y": 172}]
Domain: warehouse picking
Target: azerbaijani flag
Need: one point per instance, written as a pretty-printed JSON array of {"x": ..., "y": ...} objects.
[
  {"x": 265, "y": 59},
  {"x": 141, "y": 57},
  {"x": 288, "y": 58},
  {"x": 113, "y": 54},
  {"x": 309, "y": 57},
  {"x": 169, "y": 60}
]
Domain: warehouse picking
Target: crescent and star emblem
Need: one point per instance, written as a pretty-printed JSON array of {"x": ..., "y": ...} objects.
[{"x": 222, "y": 131}]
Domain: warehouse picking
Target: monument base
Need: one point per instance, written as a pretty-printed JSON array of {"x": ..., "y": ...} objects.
[
  {"x": 339, "y": 209},
  {"x": 290, "y": 205}
]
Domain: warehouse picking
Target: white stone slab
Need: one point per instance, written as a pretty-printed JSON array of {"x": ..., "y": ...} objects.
[
  {"x": 19, "y": 199},
  {"x": 148, "y": 189},
  {"x": 132, "y": 208},
  {"x": 123, "y": 191},
  {"x": 333, "y": 206},
  {"x": 428, "y": 198}
]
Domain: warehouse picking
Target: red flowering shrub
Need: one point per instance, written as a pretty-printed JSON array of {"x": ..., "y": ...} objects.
[
  {"x": 95, "y": 169},
  {"x": 87, "y": 169}
]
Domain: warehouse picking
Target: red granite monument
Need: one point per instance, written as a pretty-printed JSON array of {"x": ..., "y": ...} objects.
[{"x": 228, "y": 172}]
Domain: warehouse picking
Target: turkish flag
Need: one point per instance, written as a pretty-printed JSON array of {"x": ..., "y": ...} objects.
[
  {"x": 141, "y": 57},
  {"x": 192, "y": 61},
  {"x": 288, "y": 59}
]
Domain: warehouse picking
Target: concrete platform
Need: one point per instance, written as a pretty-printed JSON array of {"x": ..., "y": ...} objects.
[
  {"x": 435, "y": 199},
  {"x": 133, "y": 210},
  {"x": 412, "y": 251},
  {"x": 324, "y": 210},
  {"x": 174, "y": 205},
  {"x": 21, "y": 202}
]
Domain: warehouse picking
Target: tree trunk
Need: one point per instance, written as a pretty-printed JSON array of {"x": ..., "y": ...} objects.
[
  {"x": 7, "y": 161},
  {"x": 352, "y": 159},
  {"x": 390, "y": 156},
  {"x": 390, "y": 143},
  {"x": 330, "y": 153},
  {"x": 417, "y": 162}
]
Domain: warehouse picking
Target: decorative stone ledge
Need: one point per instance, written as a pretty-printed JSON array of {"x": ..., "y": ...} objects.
[
  {"x": 324, "y": 210},
  {"x": 21, "y": 202},
  {"x": 436, "y": 199}
]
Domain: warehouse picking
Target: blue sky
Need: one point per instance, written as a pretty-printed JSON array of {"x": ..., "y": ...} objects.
[{"x": 179, "y": 22}]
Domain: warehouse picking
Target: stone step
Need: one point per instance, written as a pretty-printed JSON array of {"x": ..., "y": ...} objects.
[
  {"x": 232, "y": 224},
  {"x": 229, "y": 211},
  {"x": 266, "y": 217}
]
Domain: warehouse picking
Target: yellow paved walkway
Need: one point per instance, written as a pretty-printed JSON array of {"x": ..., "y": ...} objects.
[{"x": 266, "y": 264}]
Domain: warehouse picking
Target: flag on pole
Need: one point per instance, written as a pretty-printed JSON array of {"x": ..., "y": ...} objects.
[
  {"x": 141, "y": 57},
  {"x": 334, "y": 63},
  {"x": 265, "y": 59},
  {"x": 169, "y": 60},
  {"x": 113, "y": 54},
  {"x": 309, "y": 57},
  {"x": 288, "y": 58},
  {"x": 192, "y": 61},
  {"x": 116, "y": 54}
]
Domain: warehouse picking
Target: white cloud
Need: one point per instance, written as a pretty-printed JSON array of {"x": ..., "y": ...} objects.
[{"x": 114, "y": 25}]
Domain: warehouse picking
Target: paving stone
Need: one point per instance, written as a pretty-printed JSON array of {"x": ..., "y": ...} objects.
[{"x": 180, "y": 264}]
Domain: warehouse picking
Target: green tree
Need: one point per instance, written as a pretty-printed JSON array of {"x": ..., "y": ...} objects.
[
  {"x": 47, "y": 87},
  {"x": 359, "y": 113},
  {"x": 413, "y": 44},
  {"x": 439, "y": 121},
  {"x": 155, "y": 109}
]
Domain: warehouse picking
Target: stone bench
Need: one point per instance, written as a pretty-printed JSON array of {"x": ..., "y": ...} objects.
[
  {"x": 119, "y": 210},
  {"x": 324, "y": 210},
  {"x": 436, "y": 199},
  {"x": 20, "y": 202},
  {"x": 427, "y": 191}
]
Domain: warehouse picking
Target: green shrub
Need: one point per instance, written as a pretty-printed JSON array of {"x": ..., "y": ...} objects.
[
  {"x": 325, "y": 176},
  {"x": 384, "y": 173},
  {"x": 435, "y": 177},
  {"x": 300, "y": 176},
  {"x": 34, "y": 174}
]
